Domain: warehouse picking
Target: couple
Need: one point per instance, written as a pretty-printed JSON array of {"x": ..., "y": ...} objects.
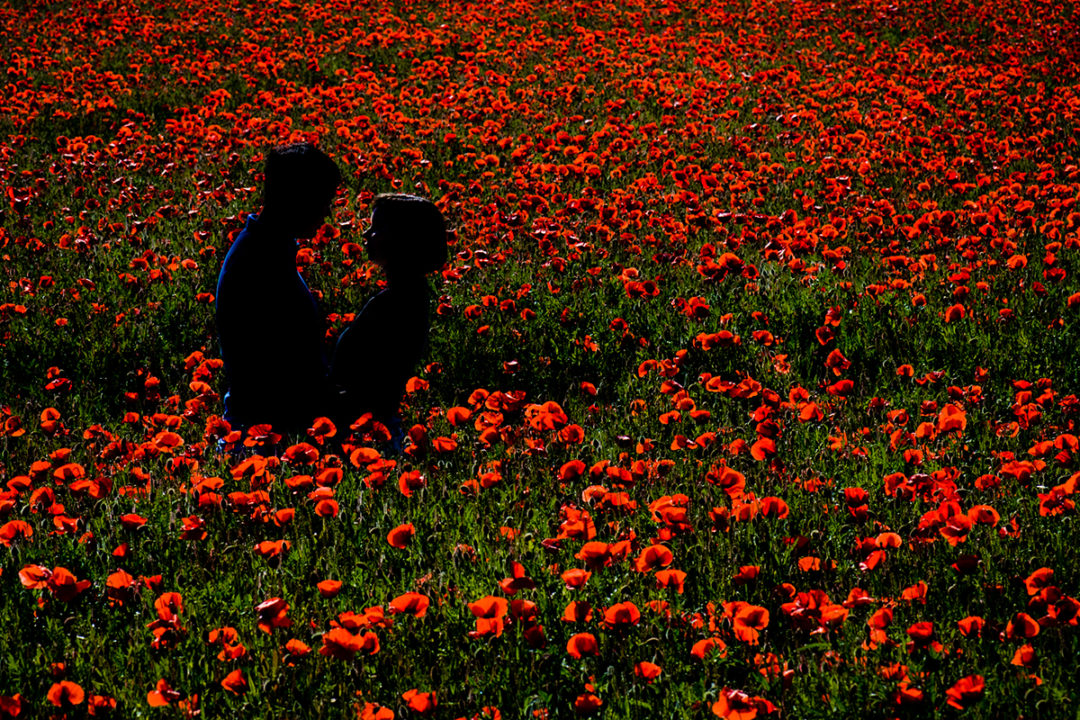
[{"x": 271, "y": 330}]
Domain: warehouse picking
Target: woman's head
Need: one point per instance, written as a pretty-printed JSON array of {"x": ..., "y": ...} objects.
[{"x": 407, "y": 235}]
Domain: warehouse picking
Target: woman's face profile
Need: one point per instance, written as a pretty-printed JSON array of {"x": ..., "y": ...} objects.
[{"x": 375, "y": 240}]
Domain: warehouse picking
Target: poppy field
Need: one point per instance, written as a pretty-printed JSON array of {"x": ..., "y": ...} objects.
[{"x": 753, "y": 381}]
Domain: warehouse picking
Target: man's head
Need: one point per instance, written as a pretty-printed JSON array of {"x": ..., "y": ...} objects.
[
  {"x": 299, "y": 187},
  {"x": 407, "y": 235}
]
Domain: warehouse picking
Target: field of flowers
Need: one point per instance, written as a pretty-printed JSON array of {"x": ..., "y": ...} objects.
[{"x": 753, "y": 381}]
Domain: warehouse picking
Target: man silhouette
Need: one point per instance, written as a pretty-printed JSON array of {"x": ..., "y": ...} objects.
[{"x": 269, "y": 325}]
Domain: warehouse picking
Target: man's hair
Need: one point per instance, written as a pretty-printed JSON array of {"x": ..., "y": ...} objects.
[
  {"x": 299, "y": 175},
  {"x": 419, "y": 229}
]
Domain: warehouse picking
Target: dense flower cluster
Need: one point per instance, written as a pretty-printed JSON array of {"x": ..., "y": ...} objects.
[{"x": 752, "y": 375}]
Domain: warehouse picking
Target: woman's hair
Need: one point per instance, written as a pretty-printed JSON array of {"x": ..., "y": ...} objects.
[
  {"x": 418, "y": 229},
  {"x": 299, "y": 175}
]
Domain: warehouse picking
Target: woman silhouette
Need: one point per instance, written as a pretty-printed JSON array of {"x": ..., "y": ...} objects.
[{"x": 381, "y": 349}]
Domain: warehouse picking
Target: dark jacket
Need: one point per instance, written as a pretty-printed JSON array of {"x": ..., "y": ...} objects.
[
  {"x": 271, "y": 334},
  {"x": 381, "y": 350}
]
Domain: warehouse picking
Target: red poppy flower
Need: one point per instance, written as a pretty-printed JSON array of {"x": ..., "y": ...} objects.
[
  {"x": 1038, "y": 580},
  {"x": 595, "y": 553},
  {"x": 329, "y": 588},
  {"x": 922, "y": 636},
  {"x": 162, "y": 694},
  {"x": 966, "y": 691},
  {"x": 748, "y": 621},
  {"x": 412, "y": 603},
  {"x": 65, "y": 693},
  {"x": 577, "y": 611},
  {"x": 653, "y": 557},
  {"x": 273, "y": 613},
  {"x": 1022, "y": 626},
  {"x": 421, "y": 702},
  {"x": 671, "y": 578},
  {"x": 971, "y": 626},
  {"x": 296, "y": 648},
  {"x": 1024, "y": 656},
  {"x": 587, "y": 703},
  {"x": 341, "y": 644},
  {"x": 837, "y": 362},
  {"x": 444, "y": 444},
  {"x": 35, "y": 577},
  {"x": 575, "y": 578},
  {"x": 647, "y": 671},
  {"x": 14, "y": 530},
  {"x": 624, "y": 613},
  {"x": 737, "y": 705},
  {"x": 490, "y": 612},
  {"x": 11, "y": 705},
  {"x": 400, "y": 536},
  {"x": 916, "y": 592},
  {"x": 235, "y": 683},
  {"x": 951, "y": 418},
  {"x": 582, "y": 644},
  {"x": 702, "y": 648},
  {"x": 410, "y": 482},
  {"x": 954, "y": 313}
]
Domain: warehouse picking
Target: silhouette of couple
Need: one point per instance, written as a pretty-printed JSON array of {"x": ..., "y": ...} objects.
[{"x": 271, "y": 330}]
